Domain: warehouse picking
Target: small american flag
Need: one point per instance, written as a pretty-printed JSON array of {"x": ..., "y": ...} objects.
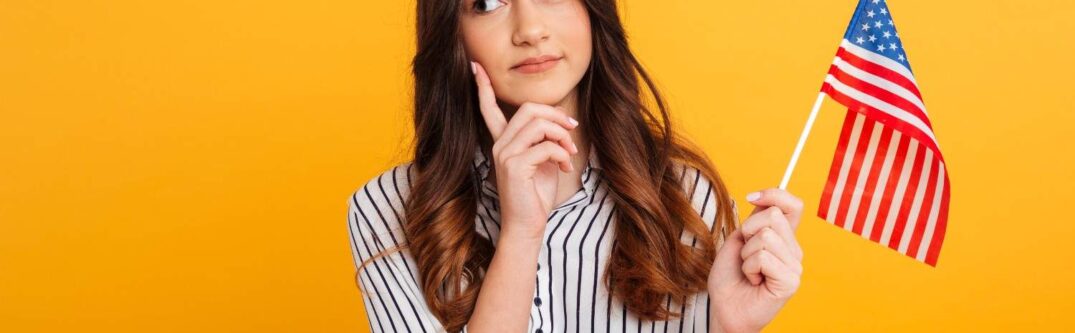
[{"x": 887, "y": 182}]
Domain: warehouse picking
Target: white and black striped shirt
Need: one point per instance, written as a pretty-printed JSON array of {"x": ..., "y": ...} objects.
[{"x": 569, "y": 294}]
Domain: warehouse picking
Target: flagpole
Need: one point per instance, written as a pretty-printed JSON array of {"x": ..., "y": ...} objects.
[{"x": 802, "y": 141}]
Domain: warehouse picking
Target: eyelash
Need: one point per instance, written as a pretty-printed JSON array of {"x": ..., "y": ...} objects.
[{"x": 481, "y": 3}]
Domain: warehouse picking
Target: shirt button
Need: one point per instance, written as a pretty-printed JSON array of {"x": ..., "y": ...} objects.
[
  {"x": 537, "y": 301},
  {"x": 539, "y": 266},
  {"x": 537, "y": 331}
]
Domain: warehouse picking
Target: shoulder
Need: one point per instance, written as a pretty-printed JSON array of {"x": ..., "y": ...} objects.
[
  {"x": 705, "y": 196},
  {"x": 375, "y": 208},
  {"x": 694, "y": 182}
]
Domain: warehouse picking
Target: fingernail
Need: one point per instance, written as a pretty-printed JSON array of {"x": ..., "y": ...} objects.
[
  {"x": 473, "y": 68},
  {"x": 753, "y": 196},
  {"x": 573, "y": 146},
  {"x": 572, "y": 121}
]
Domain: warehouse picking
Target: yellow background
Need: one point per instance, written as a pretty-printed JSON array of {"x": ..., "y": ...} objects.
[{"x": 173, "y": 166}]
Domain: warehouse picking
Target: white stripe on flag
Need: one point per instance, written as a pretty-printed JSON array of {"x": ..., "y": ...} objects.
[
  {"x": 876, "y": 103},
  {"x": 878, "y": 59},
  {"x": 879, "y": 82},
  {"x": 849, "y": 154},
  {"x": 864, "y": 174},
  {"x": 882, "y": 184},
  {"x": 931, "y": 224},
  {"x": 916, "y": 205},
  {"x": 901, "y": 187}
]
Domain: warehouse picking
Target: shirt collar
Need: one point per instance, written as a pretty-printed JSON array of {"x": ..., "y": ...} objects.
[{"x": 482, "y": 167}]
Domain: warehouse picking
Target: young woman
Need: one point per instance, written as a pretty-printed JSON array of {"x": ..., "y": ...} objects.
[{"x": 546, "y": 196}]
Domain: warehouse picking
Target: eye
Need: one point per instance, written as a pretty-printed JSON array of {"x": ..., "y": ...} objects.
[{"x": 485, "y": 6}]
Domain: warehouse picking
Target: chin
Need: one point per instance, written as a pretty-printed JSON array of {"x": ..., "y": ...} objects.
[
  {"x": 544, "y": 98},
  {"x": 541, "y": 94}
]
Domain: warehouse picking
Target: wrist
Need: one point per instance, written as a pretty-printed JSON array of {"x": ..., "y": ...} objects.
[
  {"x": 520, "y": 233},
  {"x": 518, "y": 242},
  {"x": 716, "y": 326},
  {"x": 516, "y": 253}
]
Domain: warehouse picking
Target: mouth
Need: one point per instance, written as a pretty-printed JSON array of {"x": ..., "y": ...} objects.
[{"x": 535, "y": 65}]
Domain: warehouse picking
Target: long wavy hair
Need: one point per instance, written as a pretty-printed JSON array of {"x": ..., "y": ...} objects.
[{"x": 637, "y": 149}]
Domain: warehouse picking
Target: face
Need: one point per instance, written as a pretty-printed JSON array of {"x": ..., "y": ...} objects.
[{"x": 534, "y": 50}]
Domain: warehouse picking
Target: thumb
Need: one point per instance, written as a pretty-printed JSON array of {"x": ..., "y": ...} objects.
[{"x": 728, "y": 260}]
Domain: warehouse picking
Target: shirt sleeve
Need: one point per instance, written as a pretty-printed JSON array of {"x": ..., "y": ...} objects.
[{"x": 388, "y": 284}]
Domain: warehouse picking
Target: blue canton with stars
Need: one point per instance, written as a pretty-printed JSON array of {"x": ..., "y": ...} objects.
[{"x": 872, "y": 28}]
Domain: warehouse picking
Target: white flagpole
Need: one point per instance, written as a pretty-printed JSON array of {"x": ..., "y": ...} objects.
[{"x": 802, "y": 141}]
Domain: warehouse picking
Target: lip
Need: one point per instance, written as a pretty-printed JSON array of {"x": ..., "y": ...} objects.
[{"x": 537, "y": 64}]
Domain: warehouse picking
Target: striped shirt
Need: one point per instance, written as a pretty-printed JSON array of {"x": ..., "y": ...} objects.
[{"x": 569, "y": 295}]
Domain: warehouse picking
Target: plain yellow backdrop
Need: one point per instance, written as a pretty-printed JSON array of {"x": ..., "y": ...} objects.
[{"x": 173, "y": 166}]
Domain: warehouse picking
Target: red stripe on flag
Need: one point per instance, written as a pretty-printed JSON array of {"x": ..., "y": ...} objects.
[
  {"x": 853, "y": 173},
  {"x": 893, "y": 180},
  {"x": 871, "y": 180},
  {"x": 908, "y": 199},
  {"x": 883, "y": 117},
  {"x": 880, "y": 93},
  {"x": 837, "y": 161},
  {"x": 879, "y": 70},
  {"x": 942, "y": 223},
  {"x": 923, "y": 214}
]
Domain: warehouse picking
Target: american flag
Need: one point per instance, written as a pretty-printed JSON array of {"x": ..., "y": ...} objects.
[{"x": 887, "y": 182}]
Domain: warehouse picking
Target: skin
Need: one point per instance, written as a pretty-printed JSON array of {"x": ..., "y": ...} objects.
[{"x": 538, "y": 157}]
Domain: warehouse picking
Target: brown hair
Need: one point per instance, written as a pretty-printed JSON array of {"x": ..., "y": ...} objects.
[{"x": 649, "y": 262}]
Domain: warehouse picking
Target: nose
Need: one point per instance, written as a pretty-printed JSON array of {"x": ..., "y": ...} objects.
[{"x": 530, "y": 25}]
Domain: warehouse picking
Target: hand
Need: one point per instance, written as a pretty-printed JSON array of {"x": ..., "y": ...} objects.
[
  {"x": 528, "y": 153},
  {"x": 759, "y": 266}
]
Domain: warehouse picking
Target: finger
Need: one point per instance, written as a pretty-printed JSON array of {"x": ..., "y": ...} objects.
[
  {"x": 541, "y": 153},
  {"x": 773, "y": 218},
  {"x": 752, "y": 267},
  {"x": 535, "y": 132},
  {"x": 768, "y": 240},
  {"x": 791, "y": 205},
  {"x": 529, "y": 111},
  {"x": 728, "y": 263},
  {"x": 494, "y": 117},
  {"x": 763, "y": 266}
]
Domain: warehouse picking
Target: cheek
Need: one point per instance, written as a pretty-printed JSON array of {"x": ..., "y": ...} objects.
[
  {"x": 578, "y": 38},
  {"x": 481, "y": 44},
  {"x": 581, "y": 41},
  {"x": 475, "y": 45}
]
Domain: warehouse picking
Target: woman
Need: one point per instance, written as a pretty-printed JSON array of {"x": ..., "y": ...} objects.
[{"x": 545, "y": 196}]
